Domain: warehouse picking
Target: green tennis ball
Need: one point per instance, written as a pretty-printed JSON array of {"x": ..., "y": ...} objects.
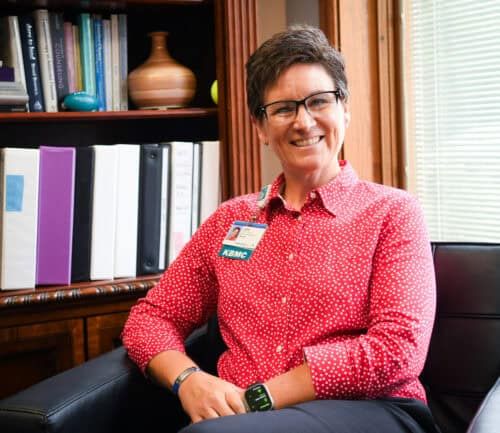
[{"x": 213, "y": 92}]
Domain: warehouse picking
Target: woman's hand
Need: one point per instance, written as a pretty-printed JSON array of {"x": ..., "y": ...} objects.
[{"x": 204, "y": 396}]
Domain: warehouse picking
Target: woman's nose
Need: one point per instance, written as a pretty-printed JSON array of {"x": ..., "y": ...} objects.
[{"x": 303, "y": 119}]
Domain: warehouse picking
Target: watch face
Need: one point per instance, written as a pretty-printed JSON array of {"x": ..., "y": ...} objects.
[{"x": 257, "y": 398}]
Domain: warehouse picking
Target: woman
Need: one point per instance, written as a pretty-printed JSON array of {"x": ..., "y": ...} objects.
[{"x": 329, "y": 307}]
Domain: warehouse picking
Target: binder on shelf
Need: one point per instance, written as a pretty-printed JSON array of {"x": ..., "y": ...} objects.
[
  {"x": 196, "y": 188},
  {"x": 127, "y": 208},
  {"x": 180, "y": 208},
  {"x": 19, "y": 217},
  {"x": 102, "y": 255},
  {"x": 46, "y": 56},
  {"x": 165, "y": 192},
  {"x": 210, "y": 179},
  {"x": 55, "y": 215},
  {"x": 148, "y": 234},
  {"x": 82, "y": 220}
]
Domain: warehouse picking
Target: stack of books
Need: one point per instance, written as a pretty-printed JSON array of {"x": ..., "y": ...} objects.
[{"x": 101, "y": 212}]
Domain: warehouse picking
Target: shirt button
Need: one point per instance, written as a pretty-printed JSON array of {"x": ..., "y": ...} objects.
[
  {"x": 291, "y": 256},
  {"x": 279, "y": 348},
  {"x": 312, "y": 195},
  {"x": 283, "y": 299}
]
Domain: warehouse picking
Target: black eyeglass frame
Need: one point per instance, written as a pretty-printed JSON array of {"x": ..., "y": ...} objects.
[{"x": 298, "y": 102}]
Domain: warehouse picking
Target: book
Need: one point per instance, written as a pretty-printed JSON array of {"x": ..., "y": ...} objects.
[
  {"x": 123, "y": 48},
  {"x": 102, "y": 254},
  {"x": 31, "y": 63},
  {"x": 78, "y": 57},
  {"x": 69, "y": 46},
  {"x": 18, "y": 217},
  {"x": 210, "y": 178},
  {"x": 6, "y": 73},
  {"x": 180, "y": 208},
  {"x": 10, "y": 47},
  {"x": 106, "y": 37},
  {"x": 165, "y": 193},
  {"x": 87, "y": 52},
  {"x": 99, "y": 63},
  {"x": 55, "y": 215},
  {"x": 82, "y": 214},
  {"x": 115, "y": 63},
  {"x": 59, "y": 50},
  {"x": 12, "y": 93},
  {"x": 46, "y": 57},
  {"x": 149, "y": 227},
  {"x": 127, "y": 207}
]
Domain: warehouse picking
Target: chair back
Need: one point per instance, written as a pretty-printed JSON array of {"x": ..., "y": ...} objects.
[{"x": 463, "y": 361}]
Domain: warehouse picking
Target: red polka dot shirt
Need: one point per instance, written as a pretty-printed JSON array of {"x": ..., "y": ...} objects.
[{"x": 346, "y": 284}]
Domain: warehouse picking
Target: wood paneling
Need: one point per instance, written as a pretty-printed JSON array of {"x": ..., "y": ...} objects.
[
  {"x": 104, "y": 333},
  {"x": 32, "y": 353},
  {"x": 241, "y": 149},
  {"x": 365, "y": 33}
]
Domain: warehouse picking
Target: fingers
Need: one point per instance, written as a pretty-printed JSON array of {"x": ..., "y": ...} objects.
[{"x": 235, "y": 403}]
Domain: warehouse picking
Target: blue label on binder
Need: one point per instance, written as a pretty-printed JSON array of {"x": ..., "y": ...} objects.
[{"x": 14, "y": 190}]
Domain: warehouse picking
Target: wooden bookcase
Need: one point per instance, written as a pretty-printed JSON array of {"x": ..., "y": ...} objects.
[{"x": 49, "y": 329}]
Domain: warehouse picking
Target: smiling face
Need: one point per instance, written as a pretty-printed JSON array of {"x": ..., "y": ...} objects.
[{"x": 307, "y": 146}]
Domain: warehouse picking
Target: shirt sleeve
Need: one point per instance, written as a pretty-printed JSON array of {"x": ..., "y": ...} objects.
[
  {"x": 182, "y": 300},
  {"x": 401, "y": 310}
]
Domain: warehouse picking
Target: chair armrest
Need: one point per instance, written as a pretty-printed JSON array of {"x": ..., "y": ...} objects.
[
  {"x": 106, "y": 394},
  {"x": 487, "y": 418}
]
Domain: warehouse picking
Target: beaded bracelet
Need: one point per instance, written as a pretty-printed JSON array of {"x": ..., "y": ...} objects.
[{"x": 182, "y": 377}]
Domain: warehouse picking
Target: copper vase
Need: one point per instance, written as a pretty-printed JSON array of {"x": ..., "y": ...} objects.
[{"x": 161, "y": 82}]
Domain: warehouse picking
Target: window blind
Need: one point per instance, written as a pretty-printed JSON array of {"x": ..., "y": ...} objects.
[{"x": 451, "y": 61}]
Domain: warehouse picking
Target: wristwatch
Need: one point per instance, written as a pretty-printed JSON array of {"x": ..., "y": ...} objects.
[{"x": 257, "y": 398}]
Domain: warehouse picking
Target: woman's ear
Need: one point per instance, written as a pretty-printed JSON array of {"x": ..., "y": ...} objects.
[{"x": 261, "y": 130}]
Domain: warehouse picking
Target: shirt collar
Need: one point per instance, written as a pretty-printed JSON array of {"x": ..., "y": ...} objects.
[{"x": 332, "y": 194}]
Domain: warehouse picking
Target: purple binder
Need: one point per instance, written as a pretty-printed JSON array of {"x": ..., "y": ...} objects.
[{"x": 55, "y": 215}]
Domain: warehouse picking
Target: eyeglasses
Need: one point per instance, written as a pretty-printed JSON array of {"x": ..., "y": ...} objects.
[{"x": 280, "y": 112}]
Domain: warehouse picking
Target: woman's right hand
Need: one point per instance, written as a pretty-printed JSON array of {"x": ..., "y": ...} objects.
[{"x": 204, "y": 396}]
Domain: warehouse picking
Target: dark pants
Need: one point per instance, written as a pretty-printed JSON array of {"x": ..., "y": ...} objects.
[{"x": 328, "y": 416}]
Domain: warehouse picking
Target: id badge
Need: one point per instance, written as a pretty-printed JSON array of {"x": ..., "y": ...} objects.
[{"x": 241, "y": 240}]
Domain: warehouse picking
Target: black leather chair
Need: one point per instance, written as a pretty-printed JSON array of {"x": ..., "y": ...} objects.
[{"x": 108, "y": 394}]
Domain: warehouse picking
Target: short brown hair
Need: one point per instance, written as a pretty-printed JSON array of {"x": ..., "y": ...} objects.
[{"x": 297, "y": 44}]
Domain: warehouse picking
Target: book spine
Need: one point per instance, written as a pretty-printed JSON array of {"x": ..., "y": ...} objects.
[
  {"x": 99, "y": 63},
  {"x": 19, "y": 217},
  {"x": 106, "y": 36},
  {"x": 17, "y": 50},
  {"x": 181, "y": 180},
  {"x": 55, "y": 215},
  {"x": 78, "y": 58},
  {"x": 115, "y": 62},
  {"x": 69, "y": 47},
  {"x": 127, "y": 207},
  {"x": 59, "y": 50},
  {"x": 42, "y": 27},
  {"x": 87, "y": 53},
  {"x": 31, "y": 65},
  {"x": 123, "y": 47},
  {"x": 103, "y": 212},
  {"x": 84, "y": 175}
]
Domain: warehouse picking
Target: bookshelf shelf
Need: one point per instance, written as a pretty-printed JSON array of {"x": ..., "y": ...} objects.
[
  {"x": 70, "y": 116},
  {"x": 78, "y": 291}
]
